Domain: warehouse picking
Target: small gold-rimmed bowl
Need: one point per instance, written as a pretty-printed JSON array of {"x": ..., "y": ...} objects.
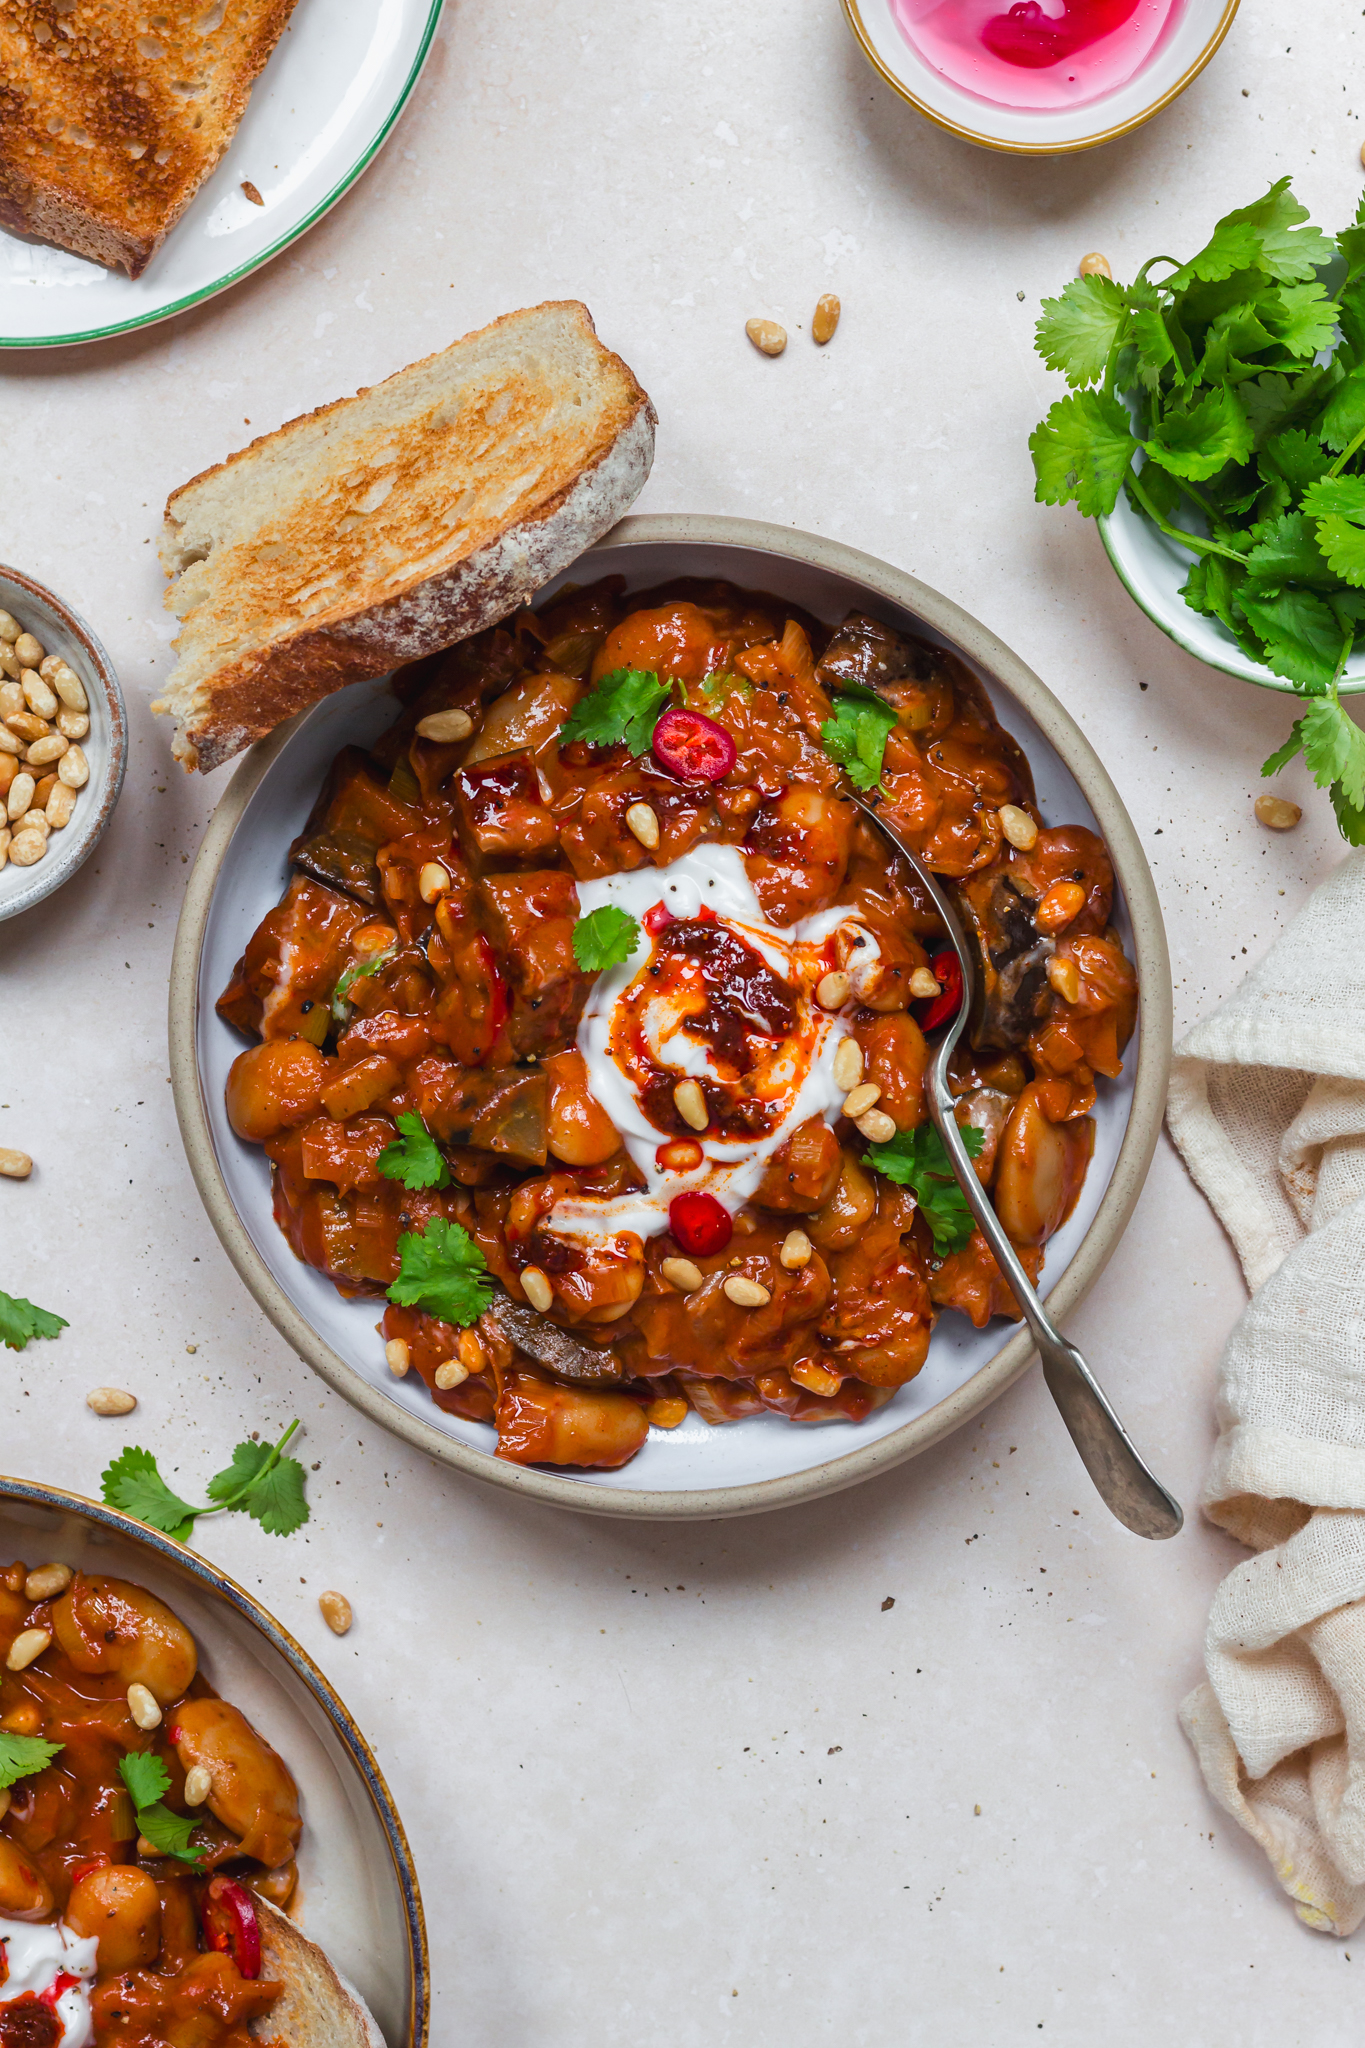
[
  {"x": 63, "y": 632},
  {"x": 1185, "y": 47},
  {"x": 358, "y": 1893}
]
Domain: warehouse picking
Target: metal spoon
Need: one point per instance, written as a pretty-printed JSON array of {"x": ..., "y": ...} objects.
[{"x": 1128, "y": 1489}]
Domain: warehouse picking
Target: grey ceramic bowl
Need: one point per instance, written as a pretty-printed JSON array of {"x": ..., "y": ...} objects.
[
  {"x": 41, "y": 612},
  {"x": 358, "y": 1894},
  {"x": 692, "y": 1471}
]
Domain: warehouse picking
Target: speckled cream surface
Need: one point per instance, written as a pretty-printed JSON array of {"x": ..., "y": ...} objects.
[{"x": 670, "y": 1786}]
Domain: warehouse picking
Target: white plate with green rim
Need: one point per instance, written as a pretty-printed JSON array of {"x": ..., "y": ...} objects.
[{"x": 320, "y": 111}]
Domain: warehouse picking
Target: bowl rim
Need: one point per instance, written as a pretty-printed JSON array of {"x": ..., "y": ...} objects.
[
  {"x": 985, "y": 141},
  {"x": 45, "y": 878},
  {"x": 942, "y": 616},
  {"x": 38, "y": 1493}
]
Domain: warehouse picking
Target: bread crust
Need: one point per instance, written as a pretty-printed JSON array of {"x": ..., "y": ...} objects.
[
  {"x": 253, "y": 695},
  {"x": 318, "y": 2008}
]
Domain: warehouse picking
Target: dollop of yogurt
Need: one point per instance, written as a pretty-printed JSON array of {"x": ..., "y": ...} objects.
[
  {"x": 50, "y": 1963},
  {"x": 790, "y": 1073}
]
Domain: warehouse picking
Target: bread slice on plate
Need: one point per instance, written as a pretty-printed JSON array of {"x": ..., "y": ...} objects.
[
  {"x": 318, "y": 2008},
  {"x": 395, "y": 523},
  {"x": 113, "y": 114}
]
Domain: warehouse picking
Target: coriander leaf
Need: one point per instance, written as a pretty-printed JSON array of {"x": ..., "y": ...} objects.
[
  {"x": 856, "y": 736},
  {"x": 133, "y": 1483},
  {"x": 1301, "y": 317},
  {"x": 1282, "y": 756},
  {"x": 1344, "y": 547},
  {"x": 918, "y": 1160},
  {"x": 1350, "y": 817},
  {"x": 359, "y": 970},
  {"x": 1081, "y": 451},
  {"x": 170, "y": 1832},
  {"x": 1078, "y": 329},
  {"x": 22, "y": 1755},
  {"x": 1241, "y": 329},
  {"x": 1151, "y": 337},
  {"x": 21, "y": 1321},
  {"x": 606, "y": 937},
  {"x": 1164, "y": 490},
  {"x": 414, "y": 1157},
  {"x": 1287, "y": 551},
  {"x": 624, "y": 706},
  {"x": 1336, "y": 494},
  {"x": 277, "y": 1500},
  {"x": 442, "y": 1271},
  {"x": 1334, "y": 749},
  {"x": 1272, "y": 401},
  {"x": 248, "y": 1462},
  {"x": 1301, "y": 634},
  {"x": 1298, "y": 457},
  {"x": 145, "y": 1776},
  {"x": 1264, "y": 236},
  {"x": 1345, "y": 414},
  {"x": 1199, "y": 442}
]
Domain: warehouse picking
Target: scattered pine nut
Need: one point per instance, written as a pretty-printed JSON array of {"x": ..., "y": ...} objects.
[
  {"x": 68, "y": 686},
  {"x": 40, "y": 700},
  {"x": 877, "y": 1127},
  {"x": 10, "y": 629},
  {"x": 827, "y": 311},
  {"x": 666, "y": 1412},
  {"x": 432, "y": 881},
  {"x": 451, "y": 1374},
  {"x": 814, "y": 1378},
  {"x": 20, "y": 795},
  {"x": 472, "y": 1355},
  {"x": 861, "y": 1098},
  {"x": 5, "y": 837},
  {"x": 796, "y": 1251},
  {"x": 26, "y": 849},
  {"x": 335, "y": 1609},
  {"x": 72, "y": 725},
  {"x": 746, "y": 1293},
  {"x": 690, "y": 1104},
  {"x": 110, "y": 1401},
  {"x": 30, "y": 651},
  {"x": 833, "y": 990},
  {"x": 924, "y": 983},
  {"x": 73, "y": 768},
  {"x": 199, "y": 1780},
  {"x": 27, "y": 1647},
  {"x": 682, "y": 1274},
  {"x": 644, "y": 823},
  {"x": 61, "y": 803},
  {"x": 767, "y": 337},
  {"x": 1063, "y": 902},
  {"x": 15, "y": 1165},
  {"x": 47, "y": 1581},
  {"x": 445, "y": 725},
  {"x": 537, "y": 1288},
  {"x": 1018, "y": 827},
  {"x": 1094, "y": 265},
  {"x": 1065, "y": 978},
  {"x": 848, "y": 1064},
  {"x": 397, "y": 1357},
  {"x": 143, "y": 1707},
  {"x": 45, "y": 751},
  {"x": 10, "y": 742},
  {"x": 37, "y": 688},
  {"x": 1278, "y": 813}
]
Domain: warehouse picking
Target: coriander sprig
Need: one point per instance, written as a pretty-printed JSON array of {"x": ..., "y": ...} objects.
[
  {"x": 23, "y": 1755},
  {"x": 21, "y": 1321},
  {"x": 443, "y": 1272},
  {"x": 148, "y": 1781},
  {"x": 919, "y": 1160},
  {"x": 261, "y": 1482}
]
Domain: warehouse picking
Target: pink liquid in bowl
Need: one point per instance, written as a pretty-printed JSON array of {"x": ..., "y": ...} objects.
[{"x": 1037, "y": 53}]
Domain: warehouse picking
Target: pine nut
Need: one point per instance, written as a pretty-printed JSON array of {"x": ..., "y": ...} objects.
[
  {"x": 48, "y": 1581},
  {"x": 445, "y": 725},
  {"x": 50, "y": 748},
  {"x": 923, "y": 984},
  {"x": 143, "y": 1707},
  {"x": 29, "y": 650},
  {"x": 690, "y": 1103},
  {"x": 472, "y": 1355},
  {"x": 60, "y": 804},
  {"x": 860, "y": 1098},
  {"x": 11, "y": 698},
  {"x": 397, "y": 1357},
  {"x": 1061, "y": 904},
  {"x": 537, "y": 1288},
  {"x": 5, "y": 1798},
  {"x": 73, "y": 768},
  {"x": 666, "y": 1412},
  {"x": 1018, "y": 827},
  {"x": 644, "y": 824},
  {"x": 336, "y": 1612},
  {"x": 148, "y": 1851},
  {"x": 198, "y": 1780},
  {"x": 451, "y": 1374},
  {"x": 796, "y": 1251},
  {"x": 814, "y": 1378},
  {"x": 1277, "y": 812},
  {"x": 26, "y": 849},
  {"x": 682, "y": 1274},
  {"x": 110, "y": 1401},
  {"x": 15, "y": 1165},
  {"x": 46, "y": 784},
  {"x": 827, "y": 311},
  {"x": 10, "y": 742},
  {"x": 1094, "y": 265},
  {"x": 26, "y": 1648},
  {"x": 877, "y": 1127},
  {"x": 33, "y": 821},
  {"x": 1065, "y": 977},
  {"x": 432, "y": 881},
  {"x": 833, "y": 990},
  {"x": 767, "y": 337},
  {"x": 10, "y": 629},
  {"x": 27, "y": 726},
  {"x": 5, "y": 837},
  {"x": 68, "y": 686},
  {"x": 72, "y": 725},
  {"x": 746, "y": 1293},
  {"x": 40, "y": 700},
  {"x": 848, "y": 1064},
  {"x": 10, "y": 664}
]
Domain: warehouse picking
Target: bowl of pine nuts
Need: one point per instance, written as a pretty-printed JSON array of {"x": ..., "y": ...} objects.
[{"x": 63, "y": 741}]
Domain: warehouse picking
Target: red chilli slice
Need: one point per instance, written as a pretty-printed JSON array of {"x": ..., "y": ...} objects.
[
  {"x": 946, "y": 969},
  {"x": 700, "y": 1224},
  {"x": 655, "y": 919},
  {"x": 692, "y": 746},
  {"x": 227, "y": 1914}
]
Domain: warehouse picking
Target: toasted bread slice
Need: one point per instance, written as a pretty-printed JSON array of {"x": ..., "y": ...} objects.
[
  {"x": 111, "y": 116},
  {"x": 318, "y": 2008},
  {"x": 394, "y": 523}
]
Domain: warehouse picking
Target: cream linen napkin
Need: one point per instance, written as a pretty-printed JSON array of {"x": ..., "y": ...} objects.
[{"x": 1267, "y": 1105}]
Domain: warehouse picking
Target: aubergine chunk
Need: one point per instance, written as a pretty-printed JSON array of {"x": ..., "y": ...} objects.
[
  {"x": 504, "y": 1110},
  {"x": 282, "y": 986},
  {"x": 866, "y": 652},
  {"x": 1014, "y": 954},
  {"x": 530, "y": 919},
  {"x": 353, "y": 817}
]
